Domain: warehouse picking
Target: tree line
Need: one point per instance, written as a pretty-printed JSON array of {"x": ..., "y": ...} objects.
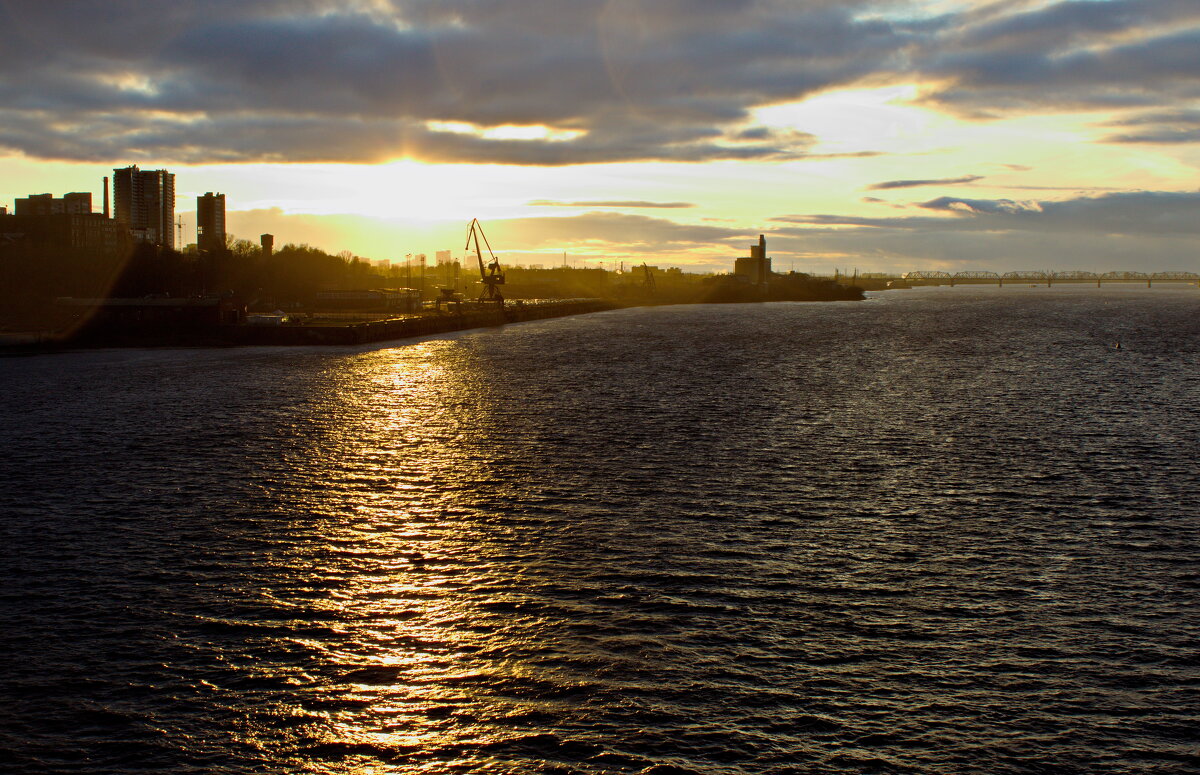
[{"x": 33, "y": 275}]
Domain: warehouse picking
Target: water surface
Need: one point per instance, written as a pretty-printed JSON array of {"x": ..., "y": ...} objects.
[{"x": 940, "y": 531}]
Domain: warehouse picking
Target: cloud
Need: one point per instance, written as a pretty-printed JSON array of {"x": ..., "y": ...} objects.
[
  {"x": 982, "y": 206},
  {"x": 604, "y": 233},
  {"x": 632, "y": 203},
  {"x": 602, "y": 80},
  {"x": 1131, "y": 214},
  {"x": 1176, "y": 126},
  {"x": 1145, "y": 231},
  {"x": 265, "y": 80},
  {"x": 890, "y": 184},
  {"x": 1077, "y": 55},
  {"x": 620, "y": 232}
]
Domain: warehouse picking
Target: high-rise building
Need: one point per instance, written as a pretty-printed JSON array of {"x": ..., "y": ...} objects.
[
  {"x": 210, "y": 222},
  {"x": 268, "y": 244},
  {"x": 144, "y": 201}
]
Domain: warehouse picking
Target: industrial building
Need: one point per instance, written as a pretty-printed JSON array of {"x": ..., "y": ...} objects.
[
  {"x": 380, "y": 300},
  {"x": 144, "y": 202},
  {"x": 67, "y": 222},
  {"x": 755, "y": 268},
  {"x": 78, "y": 203}
]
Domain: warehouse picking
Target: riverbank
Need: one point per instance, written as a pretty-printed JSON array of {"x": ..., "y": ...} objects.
[
  {"x": 329, "y": 333},
  {"x": 90, "y": 330}
]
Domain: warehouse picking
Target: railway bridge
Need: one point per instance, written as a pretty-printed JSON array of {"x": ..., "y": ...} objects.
[{"x": 1049, "y": 278}]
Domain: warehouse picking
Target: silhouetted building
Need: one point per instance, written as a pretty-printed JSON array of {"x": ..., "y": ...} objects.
[
  {"x": 158, "y": 314},
  {"x": 78, "y": 203},
  {"x": 755, "y": 268},
  {"x": 382, "y": 300},
  {"x": 78, "y": 231},
  {"x": 144, "y": 202},
  {"x": 268, "y": 244},
  {"x": 210, "y": 222},
  {"x": 42, "y": 219}
]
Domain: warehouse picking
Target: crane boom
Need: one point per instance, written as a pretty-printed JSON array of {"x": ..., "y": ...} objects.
[{"x": 489, "y": 274}]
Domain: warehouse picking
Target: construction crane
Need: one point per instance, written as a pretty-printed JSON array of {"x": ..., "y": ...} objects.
[
  {"x": 489, "y": 274},
  {"x": 648, "y": 283}
]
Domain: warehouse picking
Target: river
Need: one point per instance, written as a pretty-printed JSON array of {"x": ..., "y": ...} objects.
[{"x": 938, "y": 531}]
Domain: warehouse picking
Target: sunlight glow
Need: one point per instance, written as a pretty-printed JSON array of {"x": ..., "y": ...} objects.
[
  {"x": 505, "y": 131},
  {"x": 136, "y": 83},
  {"x": 849, "y": 121}
]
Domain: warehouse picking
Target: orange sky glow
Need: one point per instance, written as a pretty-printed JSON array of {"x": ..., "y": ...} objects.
[{"x": 884, "y": 136}]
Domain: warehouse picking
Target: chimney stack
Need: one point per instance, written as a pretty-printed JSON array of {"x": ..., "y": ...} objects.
[{"x": 105, "y": 196}]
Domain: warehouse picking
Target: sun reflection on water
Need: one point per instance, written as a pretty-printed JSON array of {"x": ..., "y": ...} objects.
[{"x": 399, "y": 563}]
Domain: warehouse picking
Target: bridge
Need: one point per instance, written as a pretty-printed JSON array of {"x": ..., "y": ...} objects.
[{"x": 1049, "y": 278}]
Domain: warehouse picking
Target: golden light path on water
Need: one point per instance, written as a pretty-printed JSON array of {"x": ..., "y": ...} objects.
[{"x": 403, "y": 558}]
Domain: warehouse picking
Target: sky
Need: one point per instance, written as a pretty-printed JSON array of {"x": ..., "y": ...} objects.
[{"x": 882, "y": 136}]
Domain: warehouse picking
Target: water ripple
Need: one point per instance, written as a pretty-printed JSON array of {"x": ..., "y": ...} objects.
[{"x": 937, "y": 532}]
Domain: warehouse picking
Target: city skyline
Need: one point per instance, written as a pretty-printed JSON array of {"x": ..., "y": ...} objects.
[{"x": 886, "y": 136}]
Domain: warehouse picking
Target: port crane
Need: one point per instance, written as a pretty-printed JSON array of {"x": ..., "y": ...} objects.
[
  {"x": 489, "y": 274},
  {"x": 648, "y": 283}
]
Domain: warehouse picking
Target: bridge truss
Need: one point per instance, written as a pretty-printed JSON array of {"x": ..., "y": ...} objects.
[{"x": 1047, "y": 277}]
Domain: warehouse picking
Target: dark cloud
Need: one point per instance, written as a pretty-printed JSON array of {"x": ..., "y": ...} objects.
[
  {"x": 1145, "y": 231},
  {"x": 631, "y": 203},
  {"x": 1175, "y": 126},
  {"x": 192, "y": 81},
  {"x": 889, "y": 184},
  {"x": 618, "y": 80},
  {"x": 1084, "y": 54},
  {"x": 1139, "y": 213}
]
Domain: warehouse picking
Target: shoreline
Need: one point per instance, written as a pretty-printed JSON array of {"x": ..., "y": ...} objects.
[
  {"x": 357, "y": 333},
  {"x": 365, "y": 332}
]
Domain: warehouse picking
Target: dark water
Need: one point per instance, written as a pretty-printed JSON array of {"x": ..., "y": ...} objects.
[{"x": 942, "y": 531}]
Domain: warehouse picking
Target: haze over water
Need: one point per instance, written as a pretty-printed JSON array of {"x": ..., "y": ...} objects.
[{"x": 940, "y": 531}]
